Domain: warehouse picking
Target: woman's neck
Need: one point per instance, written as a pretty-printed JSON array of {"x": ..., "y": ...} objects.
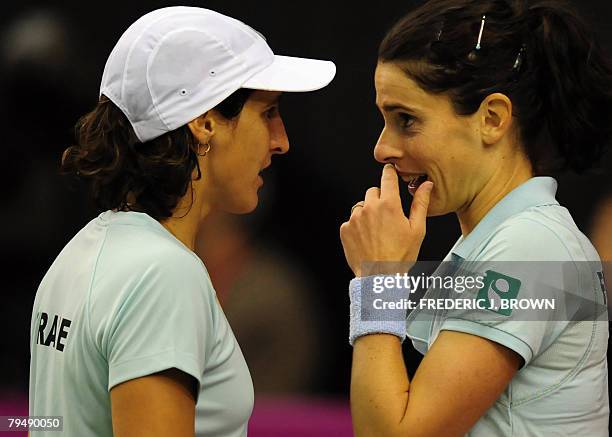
[
  {"x": 505, "y": 179},
  {"x": 186, "y": 219}
]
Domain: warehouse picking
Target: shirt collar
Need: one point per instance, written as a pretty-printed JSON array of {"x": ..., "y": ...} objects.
[{"x": 537, "y": 191}]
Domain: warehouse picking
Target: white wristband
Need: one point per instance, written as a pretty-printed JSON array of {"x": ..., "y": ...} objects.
[{"x": 370, "y": 320}]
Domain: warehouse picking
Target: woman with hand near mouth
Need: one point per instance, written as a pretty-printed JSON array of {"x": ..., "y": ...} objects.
[
  {"x": 187, "y": 120},
  {"x": 482, "y": 102}
]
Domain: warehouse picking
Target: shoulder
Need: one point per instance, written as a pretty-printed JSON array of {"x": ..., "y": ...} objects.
[
  {"x": 134, "y": 251},
  {"x": 543, "y": 233},
  {"x": 144, "y": 267}
]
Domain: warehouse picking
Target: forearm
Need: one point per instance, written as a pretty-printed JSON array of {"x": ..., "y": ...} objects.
[{"x": 379, "y": 386}]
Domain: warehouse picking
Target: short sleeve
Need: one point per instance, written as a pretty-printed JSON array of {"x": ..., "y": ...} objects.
[
  {"x": 164, "y": 321},
  {"x": 529, "y": 290}
]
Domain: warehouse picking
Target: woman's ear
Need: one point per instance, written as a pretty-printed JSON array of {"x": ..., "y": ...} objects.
[
  {"x": 203, "y": 127},
  {"x": 496, "y": 119}
]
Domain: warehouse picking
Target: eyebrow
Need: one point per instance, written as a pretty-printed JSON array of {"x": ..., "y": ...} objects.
[
  {"x": 390, "y": 107},
  {"x": 275, "y": 100}
]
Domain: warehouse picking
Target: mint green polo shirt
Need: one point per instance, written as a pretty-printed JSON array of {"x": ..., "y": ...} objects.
[
  {"x": 562, "y": 387},
  {"x": 126, "y": 299}
]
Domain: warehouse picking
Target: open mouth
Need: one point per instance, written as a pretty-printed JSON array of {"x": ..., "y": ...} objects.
[
  {"x": 261, "y": 172},
  {"x": 415, "y": 181},
  {"x": 264, "y": 167}
]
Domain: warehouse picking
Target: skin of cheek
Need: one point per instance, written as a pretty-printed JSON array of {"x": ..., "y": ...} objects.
[
  {"x": 239, "y": 158},
  {"x": 218, "y": 169},
  {"x": 447, "y": 150},
  {"x": 422, "y": 157},
  {"x": 473, "y": 164}
]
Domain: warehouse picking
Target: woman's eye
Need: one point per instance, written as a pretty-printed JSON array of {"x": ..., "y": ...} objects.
[
  {"x": 272, "y": 112},
  {"x": 406, "y": 120}
]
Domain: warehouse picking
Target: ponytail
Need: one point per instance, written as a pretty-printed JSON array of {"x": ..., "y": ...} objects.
[{"x": 575, "y": 81}]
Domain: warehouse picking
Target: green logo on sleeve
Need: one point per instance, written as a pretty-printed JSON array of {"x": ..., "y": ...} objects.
[{"x": 498, "y": 291}]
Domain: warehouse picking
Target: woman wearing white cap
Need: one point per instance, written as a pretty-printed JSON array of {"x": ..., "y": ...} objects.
[{"x": 127, "y": 335}]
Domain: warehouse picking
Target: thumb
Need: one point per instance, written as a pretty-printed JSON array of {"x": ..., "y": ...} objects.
[{"x": 420, "y": 203}]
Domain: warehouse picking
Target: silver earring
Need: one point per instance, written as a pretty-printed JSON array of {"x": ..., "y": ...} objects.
[{"x": 205, "y": 151}]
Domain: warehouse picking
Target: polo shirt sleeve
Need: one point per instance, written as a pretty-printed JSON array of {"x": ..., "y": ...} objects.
[
  {"x": 164, "y": 322},
  {"x": 529, "y": 290}
]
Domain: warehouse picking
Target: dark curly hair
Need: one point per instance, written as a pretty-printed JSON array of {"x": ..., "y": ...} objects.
[
  {"x": 156, "y": 174},
  {"x": 560, "y": 85}
]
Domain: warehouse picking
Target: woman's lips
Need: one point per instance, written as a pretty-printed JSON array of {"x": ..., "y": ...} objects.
[
  {"x": 259, "y": 176},
  {"x": 414, "y": 180}
]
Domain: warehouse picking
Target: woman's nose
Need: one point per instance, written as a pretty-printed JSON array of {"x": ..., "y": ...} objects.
[
  {"x": 279, "y": 142},
  {"x": 385, "y": 151}
]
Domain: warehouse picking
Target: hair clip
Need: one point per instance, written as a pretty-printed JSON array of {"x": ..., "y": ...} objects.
[
  {"x": 439, "y": 32},
  {"x": 519, "y": 58},
  {"x": 472, "y": 55},
  {"x": 482, "y": 25}
]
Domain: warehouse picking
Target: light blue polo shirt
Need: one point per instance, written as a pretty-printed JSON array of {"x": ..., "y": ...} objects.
[
  {"x": 562, "y": 388},
  {"x": 125, "y": 299}
]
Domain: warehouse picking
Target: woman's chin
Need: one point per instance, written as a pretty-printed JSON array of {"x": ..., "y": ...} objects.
[
  {"x": 436, "y": 209},
  {"x": 250, "y": 208},
  {"x": 245, "y": 205}
]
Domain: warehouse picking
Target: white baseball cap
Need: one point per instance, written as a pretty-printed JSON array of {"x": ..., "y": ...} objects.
[{"x": 176, "y": 63}]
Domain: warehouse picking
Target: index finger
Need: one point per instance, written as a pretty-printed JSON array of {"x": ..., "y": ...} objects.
[{"x": 389, "y": 186}]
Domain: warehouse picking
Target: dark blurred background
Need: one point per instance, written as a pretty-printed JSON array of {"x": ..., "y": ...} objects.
[{"x": 52, "y": 55}]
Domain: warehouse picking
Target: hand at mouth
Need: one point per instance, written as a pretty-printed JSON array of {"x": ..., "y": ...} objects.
[{"x": 415, "y": 181}]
